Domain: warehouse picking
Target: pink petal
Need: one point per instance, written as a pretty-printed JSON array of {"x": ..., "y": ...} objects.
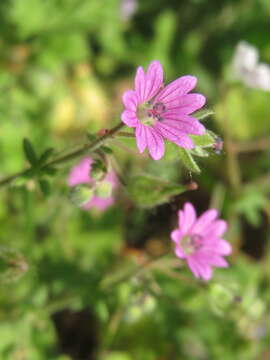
[
  {"x": 224, "y": 247},
  {"x": 218, "y": 261},
  {"x": 147, "y": 85},
  {"x": 140, "y": 83},
  {"x": 186, "y": 218},
  {"x": 186, "y": 104},
  {"x": 153, "y": 80},
  {"x": 174, "y": 134},
  {"x": 193, "y": 267},
  {"x": 204, "y": 221},
  {"x": 211, "y": 257},
  {"x": 155, "y": 143},
  {"x": 176, "y": 236},
  {"x": 177, "y": 88},
  {"x": 130, "y": 100},
  {"x": 203, "y": 265},
  {"x": 79, "y": 174},
  {"x": 184, "y": 123},
  {"x": 179, "y": 253},
  {"x": 141, "y": 138},
  {"x": 206, "y": 273},
  {"x": 99, "y": 203},
  {"x": 216, "y": 229},
  {"x": 129, "y": 118}
]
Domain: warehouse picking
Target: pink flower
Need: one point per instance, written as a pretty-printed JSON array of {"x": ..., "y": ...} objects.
[
  {"x": 157, "y": 112},
  {"x": 81, "y": 174},
  {"x": 198, "y": 240}
]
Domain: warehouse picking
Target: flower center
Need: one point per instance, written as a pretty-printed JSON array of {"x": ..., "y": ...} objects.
[
  {"x": 191, "y": 244},
  {"x": 148, "y": 113}
]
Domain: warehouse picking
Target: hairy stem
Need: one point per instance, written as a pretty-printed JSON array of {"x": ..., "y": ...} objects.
[{"x": 93, "y": 146}]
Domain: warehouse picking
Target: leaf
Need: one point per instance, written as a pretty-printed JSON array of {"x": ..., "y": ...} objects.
[
  {"x": 106, "y": 149},
  {"x": 29, "y": 152},
  {"x": 45, "y": 156},
  {"x": 48, "y": 170},
  {"x": 45, "y": 187},
  {"x": 206, "y": 140},
  {"x": 148, "y": 191},
  {"x": 91, "y": 137},
  {"x": 188, "y": 161},
  {"x": 203, "y": 114}
]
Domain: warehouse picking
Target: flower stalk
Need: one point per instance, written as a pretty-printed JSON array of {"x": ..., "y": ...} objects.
[{"x": 86, "y": 148}]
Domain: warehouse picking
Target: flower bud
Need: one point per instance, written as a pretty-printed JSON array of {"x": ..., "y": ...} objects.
[
  {"x": 104, "y": 189},
  {"x": 80, "y": 194},
  {"x": 98, "y": 170}
]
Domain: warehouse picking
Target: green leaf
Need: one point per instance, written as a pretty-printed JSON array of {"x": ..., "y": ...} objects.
[
  {"x": 106, "y": 149},
  {"x": 148, "y": 191},
  {"x": 206, "y": 140},
  {"x": 91, "y": 137},
  {"x": 45, "y": 187},
  {"x": 188, "y": 161},
  {"x": 48, "y": 170},
  {"x": 203, "y": 114},
  {"x": 29, "y": 152},
  {"x": 45, "y": 156}
]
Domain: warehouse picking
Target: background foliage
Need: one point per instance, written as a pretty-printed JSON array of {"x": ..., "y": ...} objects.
[{"x": 64, "y": 66}]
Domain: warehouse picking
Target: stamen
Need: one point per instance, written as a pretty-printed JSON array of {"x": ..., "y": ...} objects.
[{"x": 191, "y": 244}]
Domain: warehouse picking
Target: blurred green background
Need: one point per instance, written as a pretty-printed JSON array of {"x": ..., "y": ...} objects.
[{"x": 64, "y": 65}]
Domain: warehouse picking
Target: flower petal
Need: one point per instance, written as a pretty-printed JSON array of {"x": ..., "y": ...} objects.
[
  {"x": 177, "y": 88},
  {"x": 174, "y": 134},
  {"x": 206, "y": 273},
  {"x": 176, "y": 236},
  {"x": 130, "y": 100},
  {"x": 193, "y": 267},
  {"x": 129, "y": 118},
  {"x": 216, "y": 229},
  {"x": 79, "y": 174},
  {"x": 147, "y": 85},
  {"x": 155, "y": 143},
  {"x": 183, "y": 123},
  {"x": 186, "y": 218},
  {"x": 218, "y": 261},
  {"x": 140, "y": 83},
  {"x": 179, "y": 252},
  {"x": 186, "y": 104},
  {"x": 224, "y": 247},
  {"x": 153, "y": 80},
  {"x": 141, "y": 138},
  {"x": 203, "y": 266},
  {"x": 204, "y": 221}
]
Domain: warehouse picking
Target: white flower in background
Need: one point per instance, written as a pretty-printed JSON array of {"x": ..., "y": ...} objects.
[
  {"x": 128, "y": 9},
  {"x": 246, "y": 67}
]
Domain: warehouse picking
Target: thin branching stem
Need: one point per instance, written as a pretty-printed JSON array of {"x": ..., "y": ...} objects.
[{"x": 86, "y": 148}]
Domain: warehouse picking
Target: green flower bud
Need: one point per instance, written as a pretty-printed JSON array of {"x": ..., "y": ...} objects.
[
  {"x": 104, "y": 189},
  {"x": 98, "y": 170},
  {"x": 220, "y": 298},
  {"x": 80, "y": 194}
]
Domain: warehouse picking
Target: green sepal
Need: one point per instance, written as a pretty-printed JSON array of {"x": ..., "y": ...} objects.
[
  {"x": 203, "y": 114},
  {"x": 188, "y": 161}
]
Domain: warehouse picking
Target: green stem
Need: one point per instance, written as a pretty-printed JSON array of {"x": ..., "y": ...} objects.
[{"x": 94, "y": 145}]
